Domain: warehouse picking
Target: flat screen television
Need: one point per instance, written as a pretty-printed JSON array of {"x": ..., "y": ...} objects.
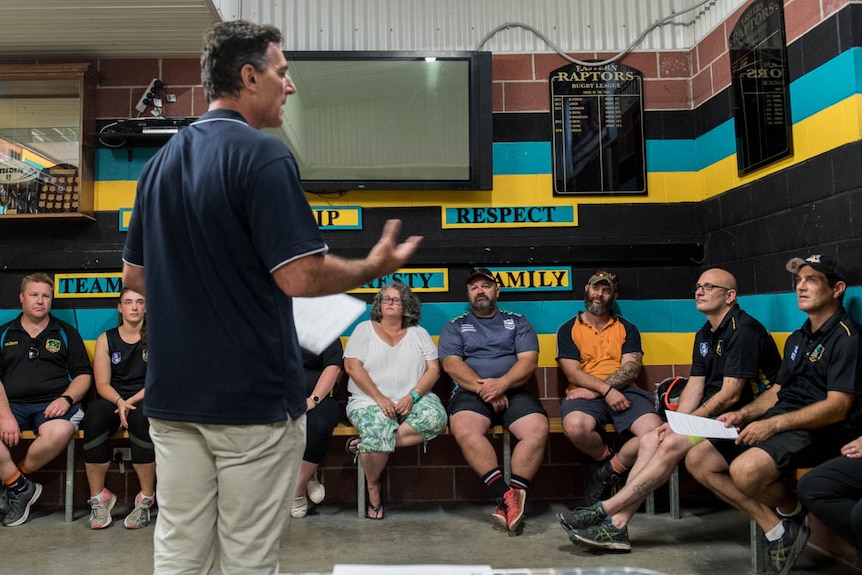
[{"x": 390, "y": 120}]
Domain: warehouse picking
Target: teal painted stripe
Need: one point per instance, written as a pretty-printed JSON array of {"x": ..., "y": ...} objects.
[
  {"x": 778, "y": 312},
  {"x": 517, "y": 158},
  {"x": 671, "y": 156},
  {"x": 826, "y": 85},
  {"x": 112, "y": 164}
]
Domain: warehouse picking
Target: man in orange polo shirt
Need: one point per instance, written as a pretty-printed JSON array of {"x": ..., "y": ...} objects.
[{"x": 600, "y": 354}]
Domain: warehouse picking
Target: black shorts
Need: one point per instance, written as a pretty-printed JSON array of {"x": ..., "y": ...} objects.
[
  {"x": 640, "y": 403},
  {"x": 521, "y": 403},
  {"x": 791, "y": 449}
]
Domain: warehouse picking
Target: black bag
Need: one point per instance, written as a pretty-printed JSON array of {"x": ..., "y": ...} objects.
[{"x": 667, "y": 393}]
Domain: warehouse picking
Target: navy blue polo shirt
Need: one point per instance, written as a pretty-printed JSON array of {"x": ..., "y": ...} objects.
[
  {"x": 43, "y": 375},
  {"x": 740, "y": 347},
  {"x": 815, "y": 363},
  {"x": 218, "y": 208}
]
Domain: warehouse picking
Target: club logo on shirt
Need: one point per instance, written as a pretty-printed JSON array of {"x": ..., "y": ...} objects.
[
  {"x": 704, "y": 349},
  {"x": 718, "y": 347},
  {"x": 793, "y": 353},
  {"x": 53, "y": 345},
  {"x": 509, "y": 324},
  {"x": 116, "y": 357},
  {"x": 816, "y": 354},
  {"x": 145, "y": 355},
  {"x": 465, "y": 327}
]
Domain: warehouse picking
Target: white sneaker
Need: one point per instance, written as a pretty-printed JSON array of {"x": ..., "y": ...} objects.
[
  {"x": 100, "y": 509},
  {"x": 140, "y": 515},
  {"x": 315, "y": 489},
  {"x": 300, "y": 507}
]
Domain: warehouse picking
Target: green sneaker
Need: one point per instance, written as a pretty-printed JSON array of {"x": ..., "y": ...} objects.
[
  {"x": 582, "y": 517},
  {"x": 784, "y": 552},
  {"x": 604, "y": 536}
]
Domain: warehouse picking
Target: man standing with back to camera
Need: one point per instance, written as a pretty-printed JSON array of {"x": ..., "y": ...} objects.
[{"x": 220, "y": 239}]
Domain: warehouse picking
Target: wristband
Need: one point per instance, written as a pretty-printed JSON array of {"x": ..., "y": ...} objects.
[
  {"x": 608, "y": 391},
  {"x": 69, "y": 399},
  {"x": 117, "y": 403},
  {"x": 416, "y": 396}
]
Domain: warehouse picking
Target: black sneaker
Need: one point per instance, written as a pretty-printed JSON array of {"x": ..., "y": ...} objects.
[
  {"x": 19, "y": 504},
  {"x": 582, "y": 517},
  {"x": 602, "y": 537},
  {"x": 603, "y": 482},
  {"x": 784, "y": 552}
]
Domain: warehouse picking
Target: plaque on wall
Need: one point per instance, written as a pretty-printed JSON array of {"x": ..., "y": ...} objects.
[
  {"x": 761, "y": 86},
  {"x": 598, "y": 143}
]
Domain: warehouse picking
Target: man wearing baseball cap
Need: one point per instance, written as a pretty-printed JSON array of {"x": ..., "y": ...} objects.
[
  {"x": 600, "y": 354},
  {"x": 491, "y": 354},
  {"x": 804, "y": 419}
]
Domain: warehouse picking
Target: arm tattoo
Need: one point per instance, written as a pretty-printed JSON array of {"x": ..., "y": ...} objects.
[
  {"x": 625, "y": 375},
  {"x": 715, "y": 410}
]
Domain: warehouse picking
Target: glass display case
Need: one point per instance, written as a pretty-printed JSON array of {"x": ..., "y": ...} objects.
[{"x": 46, "y": 141}]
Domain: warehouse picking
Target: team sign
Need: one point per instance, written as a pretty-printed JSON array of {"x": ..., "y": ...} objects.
[
  {"x": 541, "y": 278},
  {"x": 508, "y": 216},
  {"x": 419, "y": 280},
  {"x": 88, "y": 285},
  {"x": 341, "y": 218}
]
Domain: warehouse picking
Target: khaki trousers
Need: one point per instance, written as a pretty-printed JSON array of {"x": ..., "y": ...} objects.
[{"x": 224, "y": 494}]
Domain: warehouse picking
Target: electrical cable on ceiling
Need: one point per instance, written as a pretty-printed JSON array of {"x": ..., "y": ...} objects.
[{"x": 657, "y": 24}]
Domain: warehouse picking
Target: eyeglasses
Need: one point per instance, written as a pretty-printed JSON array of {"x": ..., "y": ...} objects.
[
  {"x": 606, "y": 274},
  {"x": 392, "y": 300},
  {"x": 33, "y": 352},
  {"x": 709, "y": 287}
]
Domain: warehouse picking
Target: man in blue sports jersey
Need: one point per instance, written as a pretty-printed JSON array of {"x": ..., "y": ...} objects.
[{"x": 491, "y": 354}]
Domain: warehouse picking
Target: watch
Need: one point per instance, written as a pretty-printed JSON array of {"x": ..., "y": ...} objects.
[
  {"x": 315, "y": 399},
  {"x": 69, "y": 399}
]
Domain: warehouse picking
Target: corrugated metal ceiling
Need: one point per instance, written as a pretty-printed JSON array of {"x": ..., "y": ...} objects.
[{"x": 134, "y": 28}]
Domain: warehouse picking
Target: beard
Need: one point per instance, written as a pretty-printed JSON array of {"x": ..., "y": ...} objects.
[
  {"x": 483, "y": 305},
  {"x": 596, "y": 308}
]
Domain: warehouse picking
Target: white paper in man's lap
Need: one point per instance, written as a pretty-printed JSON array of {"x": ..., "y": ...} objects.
[
  {"x": 320, "y": 320},
  {"x": 686, "y": 424}
]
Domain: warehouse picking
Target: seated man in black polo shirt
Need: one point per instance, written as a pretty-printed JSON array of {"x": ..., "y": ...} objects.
[
  {"x": 801, "y": 421},
  {"x": 44, "y": 373}
]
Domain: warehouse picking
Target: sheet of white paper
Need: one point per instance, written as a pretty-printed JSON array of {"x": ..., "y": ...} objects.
[
  {"x": 686, "y": 424},
  {"x": 320, "y": 320},
  {"x": 412, "y": 570}
]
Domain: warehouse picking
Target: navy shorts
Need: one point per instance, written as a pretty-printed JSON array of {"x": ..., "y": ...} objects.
[
  {"x": 30, "y": 416},
  {"x": 640, "y": 403},
  {"x": 792, "y": 449},
  {"x": 521, "y": 403}
]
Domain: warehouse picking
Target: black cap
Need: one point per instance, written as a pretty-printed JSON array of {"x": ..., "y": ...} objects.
[
  {"x": 481, "y": 273},
  {"x": 822, "y": 263}
]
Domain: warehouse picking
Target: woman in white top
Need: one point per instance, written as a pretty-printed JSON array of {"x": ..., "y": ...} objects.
[{"x": 392, "y": 364}]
